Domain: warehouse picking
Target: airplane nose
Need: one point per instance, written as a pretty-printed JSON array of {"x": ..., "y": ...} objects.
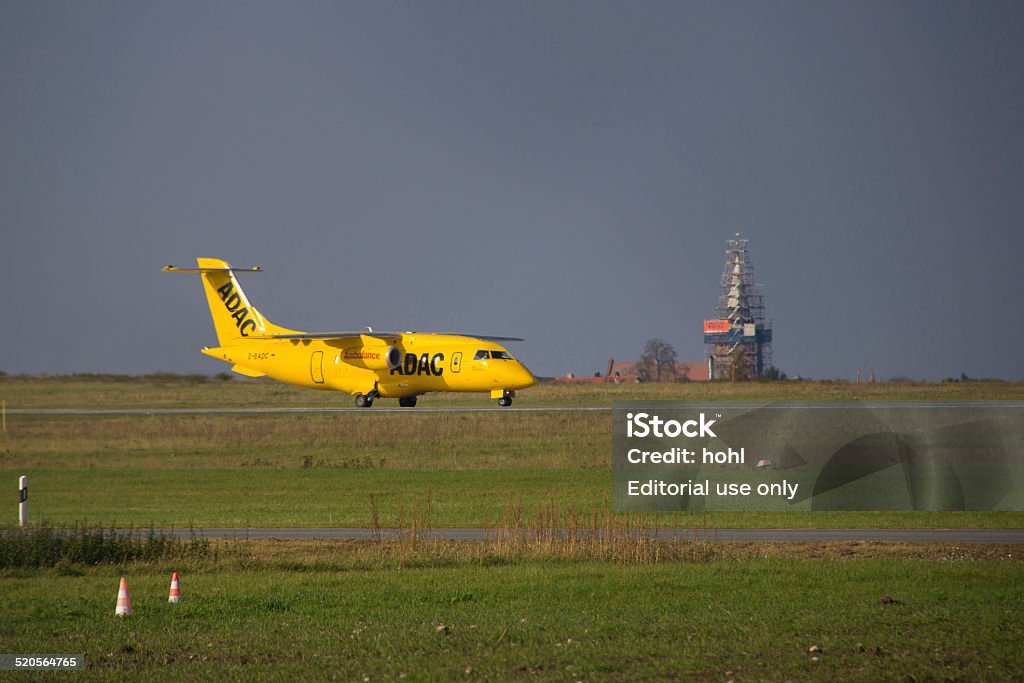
[{"x": 524, "y": 378}]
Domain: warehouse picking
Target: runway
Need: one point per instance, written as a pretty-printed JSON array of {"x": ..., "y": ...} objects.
[
  {"x": 991, "y": 536},
  {"x": 302, "y": 409},
  {"x": 392, "y": 408}
]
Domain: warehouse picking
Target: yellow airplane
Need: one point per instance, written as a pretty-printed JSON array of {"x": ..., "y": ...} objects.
[{"x": 368, "y": 365}]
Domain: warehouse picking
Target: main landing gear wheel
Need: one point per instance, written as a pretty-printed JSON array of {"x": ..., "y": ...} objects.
[
  {"x": 407, "y": 402},
  {"x": 363, "y": 401}
]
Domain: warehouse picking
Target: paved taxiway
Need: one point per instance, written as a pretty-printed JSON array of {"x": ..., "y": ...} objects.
[
  {"x": 450, "y": 409},
  {"x": 997, "y": 536},
  {"x": 300, "y": 409}
]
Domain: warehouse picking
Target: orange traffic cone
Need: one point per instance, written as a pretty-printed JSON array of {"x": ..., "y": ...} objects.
[
  {"x": 124, "y": 599},
  {"x": 175, "y": 594}
]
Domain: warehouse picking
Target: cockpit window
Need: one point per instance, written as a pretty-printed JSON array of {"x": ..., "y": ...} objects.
[{"x": 484, "y": 354}]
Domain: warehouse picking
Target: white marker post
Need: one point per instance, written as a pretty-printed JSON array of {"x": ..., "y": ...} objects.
[{"x": 23, "y": 505}]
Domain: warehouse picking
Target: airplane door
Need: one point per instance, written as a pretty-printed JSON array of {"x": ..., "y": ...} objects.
[
  {"x": 457, "y": 362},
  {"x": 316, "y": 367}
]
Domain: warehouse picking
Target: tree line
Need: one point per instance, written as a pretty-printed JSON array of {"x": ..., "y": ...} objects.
[{"x": 658, "y": 364}]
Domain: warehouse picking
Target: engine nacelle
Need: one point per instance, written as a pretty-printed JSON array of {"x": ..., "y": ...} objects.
[{"x": 373, "y": 357}]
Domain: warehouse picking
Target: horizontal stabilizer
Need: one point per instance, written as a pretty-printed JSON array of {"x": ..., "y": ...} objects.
[{"x": 200, "y": 271}]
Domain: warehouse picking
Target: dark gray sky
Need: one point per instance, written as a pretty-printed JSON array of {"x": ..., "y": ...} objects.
[{"x": 563, "y": 171}]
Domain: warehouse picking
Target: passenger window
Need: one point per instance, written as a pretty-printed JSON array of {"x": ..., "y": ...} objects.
[{"x": 481, "y": 355}]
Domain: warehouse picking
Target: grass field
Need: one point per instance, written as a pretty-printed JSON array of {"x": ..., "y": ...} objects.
[
  {"x": 322, "y": 469},
  {"x": 747, "y": 619},
  {"x": 539, "y": 609}
]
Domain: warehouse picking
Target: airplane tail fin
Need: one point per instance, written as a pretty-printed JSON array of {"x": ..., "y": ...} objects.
[{"x": 234, "y": 317}]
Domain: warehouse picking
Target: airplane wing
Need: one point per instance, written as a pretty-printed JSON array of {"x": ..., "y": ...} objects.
[
  {"x": 485, "y": 337},
  {"x": 386, "y": 336}
]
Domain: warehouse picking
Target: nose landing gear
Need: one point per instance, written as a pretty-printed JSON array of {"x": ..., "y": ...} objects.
[{"x": 506, "y": 399}]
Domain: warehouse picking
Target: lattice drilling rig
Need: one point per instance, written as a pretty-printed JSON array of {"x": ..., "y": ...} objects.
[{"x": 739, "y": 342}]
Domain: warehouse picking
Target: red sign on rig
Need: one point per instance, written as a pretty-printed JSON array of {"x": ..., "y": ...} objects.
[{"x": 720, "y": 326}]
